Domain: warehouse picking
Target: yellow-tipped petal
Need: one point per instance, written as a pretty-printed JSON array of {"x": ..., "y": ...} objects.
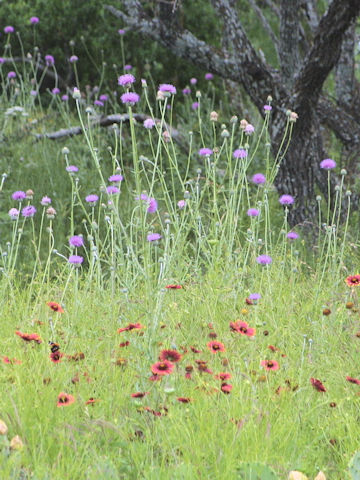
[{"x": 16, "y": 443}]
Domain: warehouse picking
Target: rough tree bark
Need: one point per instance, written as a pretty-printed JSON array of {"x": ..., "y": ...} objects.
[{"x": 297, "y": 86}]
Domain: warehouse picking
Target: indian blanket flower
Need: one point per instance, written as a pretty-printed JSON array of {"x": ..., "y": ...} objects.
[
  {"x": 258, "y": 179},
  {"x": 130, "y": 98},
  {"x": 92, "y": 400},
  {"x": 92, "y": 199},
  {"x": 28, "y": 211},
  {"x": 153, "y": 237},
  {"x": 243, "y": 328},
  {"x": 292, "y": 236},
  {"x": 167, "y": 88},
  {"x": 286, "y": 200},
  {"x": 240, "y": 153},
  {"x": 76, "y": 241},
  {"x": 264, "y": 259},
  {"x": 139, "y": 394},
  {"x": 253, "y": 212},
  {"x": 223, "y": 376},
  {"x": 18, "y": 195},
  {"x": 318, "y": 385},
  {"x": 65, "y": 399},
  {"x": 171, "y": 355},
  {"x": 327, "y": 164},
  {"x": 205, "y": 152},
  {"x": 216, "y": 346},
  {"x": 149, "y": 123},
  {"x": 55, "y": 307},
  {"x": 270, "y": 364},
  {"x": 173, "y": 286},
  {"x": 126, "y": 80},
  {"x": 34, "y": 20},
  {"x": 226, "y": 387},
  {"x": 183, "y": 399},
  {"x": 29, "y": 337},
  {"x": 131, "y": 326},
  {"x": 162, "y": 368},
  {"x": 356, "y": 381},
  {"x": 13, "y": 213},
  {"x": 76, "y": 260},
  {"x": 56, "y": 357},
  {"x": 353, "y": 280}
]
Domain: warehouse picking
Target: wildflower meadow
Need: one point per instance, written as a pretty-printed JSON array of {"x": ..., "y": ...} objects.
[{"x": 161, "y": 318}]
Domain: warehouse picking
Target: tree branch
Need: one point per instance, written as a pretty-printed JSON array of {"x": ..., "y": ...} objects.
[
  {"x": 289, "y": 39},
  {"x": 266, "y": 25}
]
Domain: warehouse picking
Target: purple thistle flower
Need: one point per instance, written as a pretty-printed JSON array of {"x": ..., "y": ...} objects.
[
  {"x": 127, "y": 67},
  {"x": 286, "y": 200},
  {"x": 267, "y": 108},
  {"x": 116, "y": 178},
  {"x": 72, "y": 169},
  {"x": 45, "y": 201},
  {"x": 126, "y": 80},
  {"x": 121, "y": 31},
  {"x": 149, "y": 123},
  {"x": 186, "y": 91},
  {"x": 254, "y": 296},
  {"x": 55, "y": 91},
  {"x": 292, "y": 235},
  {"x": 73, "y": 59},
  {"x": 249, "y": 129},
  {"x": 195, "y": 105},
  {"x": 209, "y": 76},
  {"x": 33, "y": 93},
  {"x": 28, "y": 211},
  {"x": 104, "y": 97},
  {"x": 76, "y": 260},
  {"x": 205, "y": 152},
  {"x": 98, "y": 103},
  {"x": 253, "y": 212},
  {"x": 18, "y": 195},
  {"x": 181, "y": 204},
  {"x": 328, "y": 164},
  {"x": 153, "y": 205},
  {"x": 49, "y": 60},
  {"x": 112, "y": 190},
  {"x": 13, "y": 213},
  {"x": 65, "y": 98},
  {"x": 258, "y": 179},
  {"x": 167, "y": 88},
  {"x": 240, "y": 153},
  {"x": 130, "y": 98},
  {"x": 34, "y": 20},
  {"x": 92, "y": 198},
  {"x": 9, "y": 29},
  {"x": 2, "y": 60},
  {"x": 76, "y": 241},
  {"x": 152, "y": 237},
  {"x": 264, "y": 259},
  {"x": 193, "y": 81},
  {"x": 11, "y": 75}
]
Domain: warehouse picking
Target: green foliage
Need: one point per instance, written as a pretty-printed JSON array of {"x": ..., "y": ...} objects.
[
  {"x": 255, "y": 471},
  {"x": 354, "y": 466}
]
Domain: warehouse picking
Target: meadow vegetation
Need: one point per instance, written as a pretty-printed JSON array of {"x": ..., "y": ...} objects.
[{"x": 160, "y": 317}]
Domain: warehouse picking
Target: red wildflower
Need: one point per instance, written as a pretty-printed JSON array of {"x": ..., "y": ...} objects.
[
  {"x": 353, "y": 280},
  {"x": 242, "y": 328},
  {"x": 91, "y": 401},
  {"x": 13, "y": 361},
  {"x": 124, "y": 344},
  {"x": 76, "y": 357},
  {"x": 65, "y": 399},
  {"x": 155, "y": 378},
  {"x": 216, "y": 346},
  {"x": 29, "y": 337},
  {"x": 56, "y": 307},
  {"x": 162, "y": 368},
  {"x": 131, "y": 326},
  {"x": 202, "y": 366},
  {"x": 173, "y": 287},
  {"x": 171, "y": 355},
  {"x": 184, "y": 399},
  {"x": 248, "y": 301},
  {"x": 56, "y": 357},
  {"x": 139, "y": 394},
  {"x": 226, "y": 387},
  {"x": 270, "y": 365},
  {"x": 195, "y": 350},
  {"x": 273, "y": 349},
  {"x": 154, "y": 412},
  {"x": 353, "y": 380},
  {"x": 317, "y": 384},
  {"x": 223, "y": 376}
]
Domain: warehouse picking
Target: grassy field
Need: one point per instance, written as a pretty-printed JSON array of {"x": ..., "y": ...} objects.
[{"x": 160, "y": 319}]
